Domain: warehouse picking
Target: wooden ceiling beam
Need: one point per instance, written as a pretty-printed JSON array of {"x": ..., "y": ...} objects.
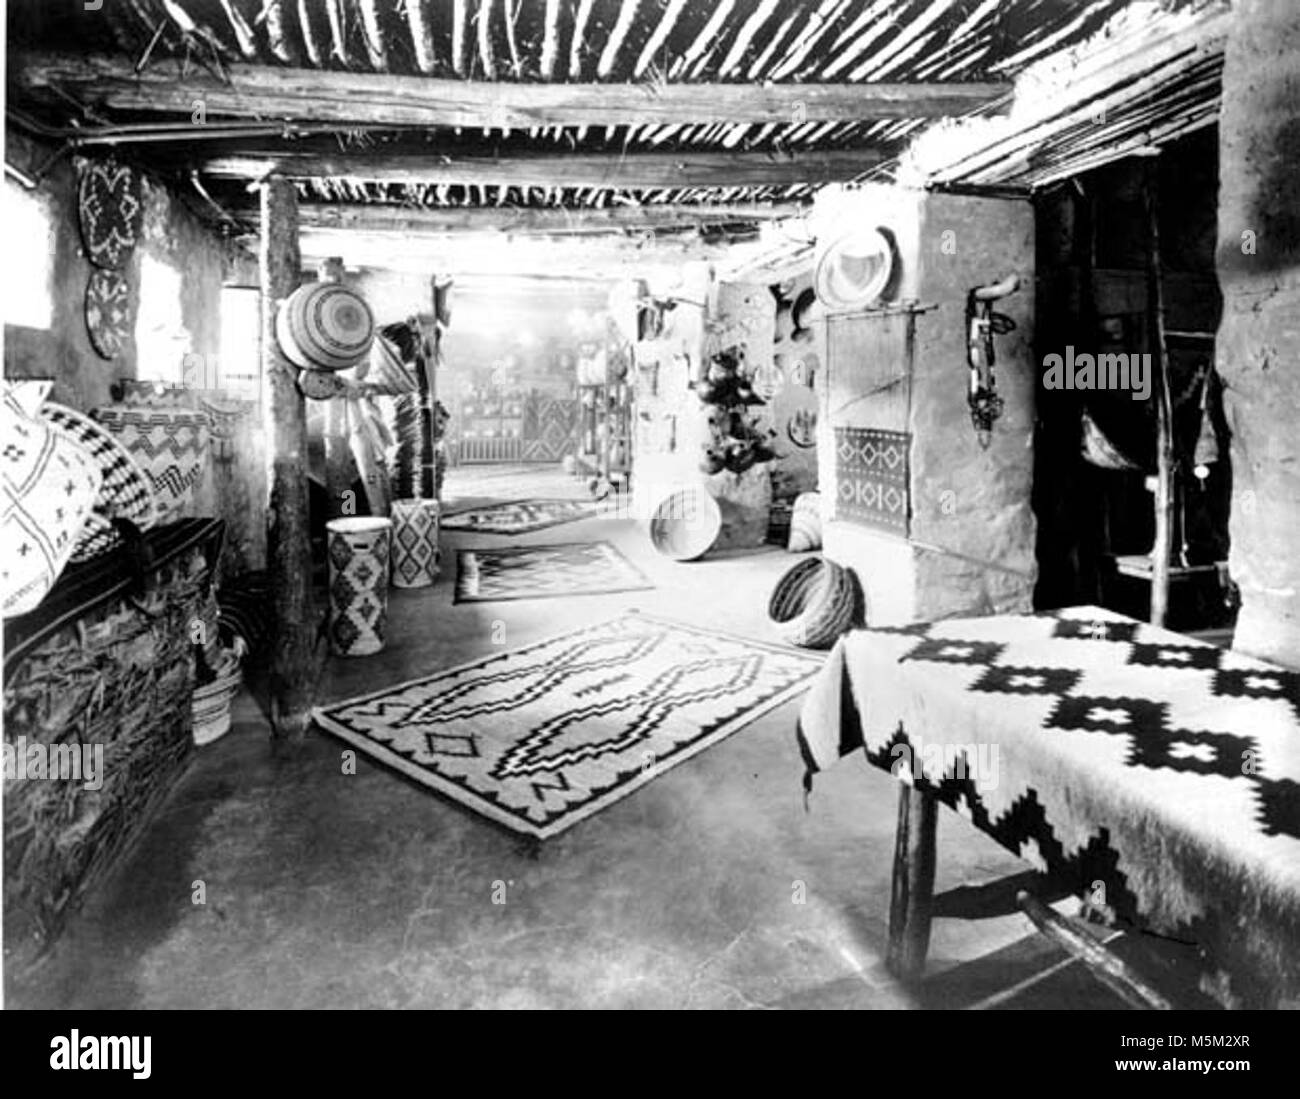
[
  {"x": 355, "y": 98},
  {"x": 639, "y": 171},
  {"x": 531, "y": 220}
]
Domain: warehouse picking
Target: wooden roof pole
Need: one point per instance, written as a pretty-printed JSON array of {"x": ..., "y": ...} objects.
[{"x": 288, "y": 541}]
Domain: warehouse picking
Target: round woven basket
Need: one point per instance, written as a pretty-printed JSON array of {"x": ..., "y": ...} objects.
[
  {"x": 686, "y": 523},
  {"x": 813, "y": 603},
  {"x": 324, "y": 326}
]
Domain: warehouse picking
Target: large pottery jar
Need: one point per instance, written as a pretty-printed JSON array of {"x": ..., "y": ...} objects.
[{"x": 359, "y": 550}]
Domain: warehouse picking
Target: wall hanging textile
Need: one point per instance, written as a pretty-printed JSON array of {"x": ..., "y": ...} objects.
[
  {"x": 415, "y": 552},
  {"x": 108, "y": 312},
  {"x": 541, "y": 737},
  {"x": 50, "y": 485},
  {"x": 359, "y": 551},
  {"x": 109, "y": 211},
  {"x": 872, "y": 478}
]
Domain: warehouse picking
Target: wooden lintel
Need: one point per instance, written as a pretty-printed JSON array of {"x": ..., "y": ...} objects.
[
  {"x": 672, "y": 171},
  {"x": 540, "y": 221},
  {"x": 352, "y": 98}
]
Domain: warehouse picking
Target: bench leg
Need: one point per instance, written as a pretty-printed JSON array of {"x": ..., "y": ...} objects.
[{"x": 913, "y": 885}]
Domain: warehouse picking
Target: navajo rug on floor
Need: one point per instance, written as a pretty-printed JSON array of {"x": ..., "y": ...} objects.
[
  {"x": 545, "y": 572},
  {"x": 544, "y": 736},
  {"x": 520, "y": 517}
]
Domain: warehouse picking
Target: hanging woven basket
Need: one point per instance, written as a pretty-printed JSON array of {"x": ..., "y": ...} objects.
[
  {"x": 813, "y": 603},
  {"x": 324, "y": 326}
]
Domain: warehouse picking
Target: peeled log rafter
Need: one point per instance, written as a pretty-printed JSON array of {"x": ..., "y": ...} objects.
[
  {"x": 277, "y": 33},
  {"x": 672, "y": 171},
  {"x": 609, "y": 56},
  {"x": 314, "y": 54},
  {"x": 579, "y": 30},
  {"x": 338, "y": 29},
  {"x": 816, "y": 29},
  {"x": 512, "y": 16},
  {"x": 421, "y": 35},
  {"x": 521, "y": 221},
  {"x": 376, "y": 48},
  {"x": 459, "y": 37},
  {"x": 752, "y": 26},
  {"x": 243, "y": 32},
  {"x": 551, "y": 38},
  {"x": 354, "y": 99},
  {"x": 485, "y": 53},
  {"x": 694, "y": 57},
  {"x": 660, "y": 35}
]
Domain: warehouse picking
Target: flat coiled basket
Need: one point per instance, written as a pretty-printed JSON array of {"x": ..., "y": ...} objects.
[{"x": 813, "y": 603}]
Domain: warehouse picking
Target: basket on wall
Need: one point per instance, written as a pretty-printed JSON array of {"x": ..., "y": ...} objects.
[
  {"x": 415, "y": 554},
  {"x": 686, "y": 523},
  {"x": 359, "y": 551},
  {"x": 813, "y": 603}
]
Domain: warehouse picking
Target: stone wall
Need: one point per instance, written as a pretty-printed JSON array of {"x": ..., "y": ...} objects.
[
  {"x": 1258, "y": 351},
  {"x": 970, "y": 549}
]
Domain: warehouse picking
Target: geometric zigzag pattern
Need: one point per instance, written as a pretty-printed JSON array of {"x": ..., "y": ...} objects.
[
  {"x": 545, "y": 572},
  {"x": 170, "y": 445},
  {"x": 543, "y": 736},
  {"x": 550, "y": 424},
  {"x": 1162, "y": 767}
]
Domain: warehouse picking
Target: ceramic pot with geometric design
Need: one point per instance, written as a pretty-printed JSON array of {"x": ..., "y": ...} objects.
[
  {"x": 415, "y": 543},
  {"x": 359, "y": 550}
]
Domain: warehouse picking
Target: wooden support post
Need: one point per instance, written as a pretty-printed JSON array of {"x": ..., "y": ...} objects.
[
  {"x": 1166, "y": 470},
  {"x": 913, "y": 884},
  {"x": 288, "y": 541}
]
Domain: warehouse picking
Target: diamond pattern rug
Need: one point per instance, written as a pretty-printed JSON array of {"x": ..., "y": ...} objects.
[
  {"x": 545, "y": 572},
  {"x": 520, "y": 517},
  {"x": 541, "y": 737}
]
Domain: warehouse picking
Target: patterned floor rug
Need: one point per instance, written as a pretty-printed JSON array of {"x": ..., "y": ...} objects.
[
  {"x": 521, "y": 517},
  {"x": 544, "y": 736},
  {"x": 545, "y": 572}
]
